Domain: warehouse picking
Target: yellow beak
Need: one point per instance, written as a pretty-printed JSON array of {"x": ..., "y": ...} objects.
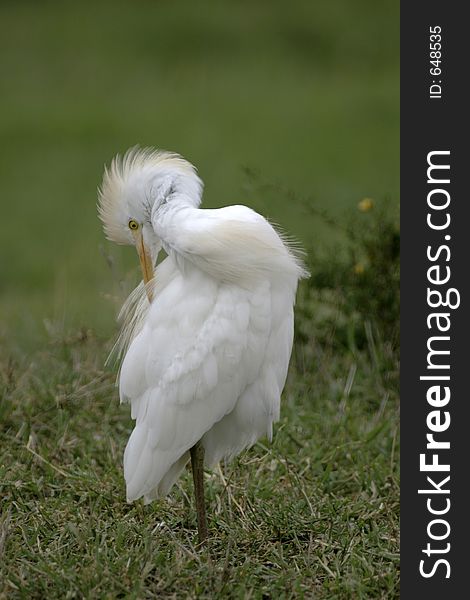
[{"x": 145, "y": 261}]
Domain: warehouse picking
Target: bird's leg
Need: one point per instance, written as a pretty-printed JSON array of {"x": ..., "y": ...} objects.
[{"x": 197, "y": 464}]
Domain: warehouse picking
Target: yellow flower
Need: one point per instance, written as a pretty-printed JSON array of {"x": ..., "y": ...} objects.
[
  {"x": 365, "y": 204},
  {"x": 359, "y": 268}
]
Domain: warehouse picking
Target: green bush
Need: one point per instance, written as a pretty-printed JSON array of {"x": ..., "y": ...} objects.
[{"x": 355, "y": 286}]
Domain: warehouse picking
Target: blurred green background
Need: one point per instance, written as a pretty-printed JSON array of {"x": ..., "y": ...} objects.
[{"x": 304, "y": 93}]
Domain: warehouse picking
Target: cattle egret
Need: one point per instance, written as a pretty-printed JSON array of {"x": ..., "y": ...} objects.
[{"x": 207, "y": 336}]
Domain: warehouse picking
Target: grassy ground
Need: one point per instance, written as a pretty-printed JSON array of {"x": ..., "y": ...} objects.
[
  {"x": 313, "y": 515},
  {"x": 265, "y": 100}
]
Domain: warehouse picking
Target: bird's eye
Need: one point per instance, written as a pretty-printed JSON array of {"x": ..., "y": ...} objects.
[{"x": 133, "y": 225}]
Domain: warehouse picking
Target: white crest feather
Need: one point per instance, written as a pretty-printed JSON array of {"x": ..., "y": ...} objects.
[{"x": 146, "y": 164}]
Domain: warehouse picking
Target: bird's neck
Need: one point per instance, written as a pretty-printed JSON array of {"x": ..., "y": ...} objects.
[{"x": 170, "y": 217}]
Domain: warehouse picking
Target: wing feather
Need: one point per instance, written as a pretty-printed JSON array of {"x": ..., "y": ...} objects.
[
  {"x": 209, "y": 365},
  {"x": 259, "y": 405}
]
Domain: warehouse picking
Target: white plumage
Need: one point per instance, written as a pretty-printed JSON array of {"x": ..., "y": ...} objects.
[{"x": 206, "y": 359}]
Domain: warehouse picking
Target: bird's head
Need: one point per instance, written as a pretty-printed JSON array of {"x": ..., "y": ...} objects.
[{"x": 133, "y": 188}]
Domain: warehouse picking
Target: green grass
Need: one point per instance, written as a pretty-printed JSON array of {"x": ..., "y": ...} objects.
[{"x": 313, "y": 515}]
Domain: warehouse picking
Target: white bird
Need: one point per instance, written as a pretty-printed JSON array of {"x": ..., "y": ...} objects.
[{"x": 208, "y": 335}]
